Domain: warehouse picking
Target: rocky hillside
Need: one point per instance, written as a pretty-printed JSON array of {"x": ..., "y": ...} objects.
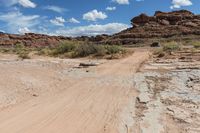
[
  {"x": 177, "y": 25},
  {"x": 30, "y": 39}
]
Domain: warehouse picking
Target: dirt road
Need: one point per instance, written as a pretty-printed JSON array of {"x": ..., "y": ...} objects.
[{"x": 55, "y": 96}]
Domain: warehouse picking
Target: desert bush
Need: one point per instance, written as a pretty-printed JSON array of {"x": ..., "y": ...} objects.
[
  {"x": 80, "y": 49},
  {"x": 44, "y": 51},
  {"x": 171, "y": 46},
  {"x": 159, "y": 53},
  {"x": 83, "y": 50},
  {"x": 114, "y": 49},
  {"x": 64, "y": 47},
  {"x": 24, "y": 55},
  {"x": 4, "y": 50},
  {"x": 19, "y": 48},
  {"x": 196, "y": 44},
  {"x": 22, "y": 51},
  {"x": 100, "y": 50},
  {"x": 16, "y": 49}
]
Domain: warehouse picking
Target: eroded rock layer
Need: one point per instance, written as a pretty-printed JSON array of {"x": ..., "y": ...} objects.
[
  {"x": 177, "y": 24},
  {"x": 145, "y": 29},
  {"x": 30, "y": 39}
]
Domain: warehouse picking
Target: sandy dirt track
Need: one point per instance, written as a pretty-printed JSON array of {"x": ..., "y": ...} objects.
[{"x": 52, "y": 96}]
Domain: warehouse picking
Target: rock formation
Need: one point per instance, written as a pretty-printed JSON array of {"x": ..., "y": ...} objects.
[
  {"x": 30, "y": 39},
  {"x": 145, "y": 29},
  {"x": 177, "y": 24}
]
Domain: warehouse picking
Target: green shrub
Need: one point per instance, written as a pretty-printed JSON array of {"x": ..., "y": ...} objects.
[
  {"x": 100, "y": 50},
  {"x": 80, "y": 49},
  {"x": 64, "y": 47},
  {"x": 196, "y": 44},
  {"x": 44, "y": 51},
  {"x": 18, "y": 48},
  {"x": 159, "y": 53},
  {"x": 83, "y": 50},
  {"x": 171, "y": 46},
  {"x": 4, "y": 50},
  {"x": 114, "y": 49},
  {"x": 21, "y": 50},
  {"x": 24, "y": 55}
]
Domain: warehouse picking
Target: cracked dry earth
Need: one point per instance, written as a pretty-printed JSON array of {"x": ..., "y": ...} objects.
[{"x": 136, "y": 94}]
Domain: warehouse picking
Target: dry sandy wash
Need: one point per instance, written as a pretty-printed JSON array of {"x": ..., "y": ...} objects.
[
  {"x": 137, "y": 94},
  {"x": 56, "y": 96}
]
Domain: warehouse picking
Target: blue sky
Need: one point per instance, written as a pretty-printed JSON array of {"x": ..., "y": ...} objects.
[{"x": 80, "y": 17}]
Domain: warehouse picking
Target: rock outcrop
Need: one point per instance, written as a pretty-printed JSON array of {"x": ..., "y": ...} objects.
[
  {"x": 30, "y": 39},
  {"x": 145, "y": 29},
  {"x": 163, "y": 25}
]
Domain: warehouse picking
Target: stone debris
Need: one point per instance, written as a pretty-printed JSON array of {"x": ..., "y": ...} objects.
[{"x": 170, "y": 95}]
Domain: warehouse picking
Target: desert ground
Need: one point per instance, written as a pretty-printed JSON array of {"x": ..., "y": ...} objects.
[
  {"x": 135, "y": 94},
  {"x": 56, "y": 96}
]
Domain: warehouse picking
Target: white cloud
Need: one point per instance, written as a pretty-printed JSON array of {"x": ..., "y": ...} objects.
[
  {"x": 110, "y": 8},
  {"x": 24, "y": 30},
  {"x": 16, "y": 20},
  {"x": 92, "y": 30},
  {"x": 122, "y": 2},
  {"x": 179, "y": 3},
  {"x": 27, "y": 3},
  {"x": 73, "y": 20},
  {"x": 59, "y": 21},
  {"x": 24, "y": 3},
  {"x": 94, "y": 15},
  {"x": 55, "y": 8}
]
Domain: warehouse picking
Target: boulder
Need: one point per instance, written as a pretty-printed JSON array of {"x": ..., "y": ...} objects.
[
  {"x": 141, "y": 19},
  {"x": 164, "y": 22}
]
